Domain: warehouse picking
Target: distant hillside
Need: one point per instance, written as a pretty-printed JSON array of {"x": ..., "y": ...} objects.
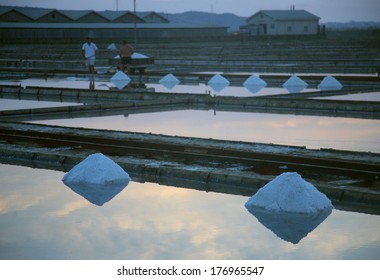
[{"x": 203, "y": 18}]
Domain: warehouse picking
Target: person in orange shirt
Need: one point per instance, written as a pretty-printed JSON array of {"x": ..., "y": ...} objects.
[{"x": 126, "y": 51}]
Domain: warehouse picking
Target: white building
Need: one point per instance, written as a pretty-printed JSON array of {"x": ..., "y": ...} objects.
[{"x": 281, "y": 22}]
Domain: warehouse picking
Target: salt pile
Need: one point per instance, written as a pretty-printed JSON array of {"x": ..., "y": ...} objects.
[
  {"x": 289, "y": 192},
  {"x": 218, "y": 82},
  {"x": 138, "y": 55},
  {"x": 330, "y": 83},
  {"x": 97, "y": 178},
  {"x": 112, "y": 47},
  {"x": 134, "y": 56},
  {"x": 120, "y": 79},
  {"x": 254, "y": 84},
  {"x": 295, "y": 84},
  {"x": 289, "y": 206},
  {"x": 169, "y": 81}
]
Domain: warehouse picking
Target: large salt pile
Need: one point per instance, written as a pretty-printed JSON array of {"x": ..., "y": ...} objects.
[
  {"x": 330, "y": 83},
  {"x": 218, "y": 82},
  {"x": 120, "y": 79},
  {"x": 289, "y": 192},
  {"x": 97, "y": 178},
  {"x": 289, "y": 206}
]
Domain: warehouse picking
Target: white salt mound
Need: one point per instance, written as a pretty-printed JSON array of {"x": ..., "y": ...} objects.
[
  {"x": 96, "y": 169},
  {"x": 138, "y": 55},
  {"x": 330, "y": 83},
  {"x": 134, "y": 56},
  {"x": 289, "y": 192},
  {"x": 295, "y": 81},
  {"x": 295, "y": 84},
  {"x": 169, "y": 78}
]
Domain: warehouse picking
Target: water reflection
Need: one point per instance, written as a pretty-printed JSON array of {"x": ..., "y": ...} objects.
[
  {"x": 97, "y": 178},
  {"x": 254, "y": 88},
  {"x": 218, "y": 83},
  {"x": 42, "y": 219},
  {"x": 97, "y": 194},
  {"x": 120, "y": 79},
  {"x": 312, "y": 132},
  {"x": 291, "y": 227},
  {"x": 169, "y": 81},
  {"x": 91, "y": 86}
]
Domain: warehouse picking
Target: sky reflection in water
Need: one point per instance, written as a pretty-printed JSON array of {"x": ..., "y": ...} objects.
[
  {"x": 41, "y": 218},
  {"x": 309, "y": 131}
]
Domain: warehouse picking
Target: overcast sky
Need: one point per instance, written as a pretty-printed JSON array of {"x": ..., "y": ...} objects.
[{"x": 327, "y": 10}]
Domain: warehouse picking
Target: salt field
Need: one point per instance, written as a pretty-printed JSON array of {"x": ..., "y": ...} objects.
[
  {"x": 312, "y": 132},
  {"x": 199, "y": 143},
  {"x": 287, "y": 129},
  {"x": 43, "y": 216}
]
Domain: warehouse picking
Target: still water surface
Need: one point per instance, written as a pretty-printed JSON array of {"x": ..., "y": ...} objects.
[
  {"x": 41, "y": 218},
  {"x": 311, "y": 131}
]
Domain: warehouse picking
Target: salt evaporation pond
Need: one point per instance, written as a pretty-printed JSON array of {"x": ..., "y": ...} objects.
[
  {"x": 41, "y": 218},
  {"x": 370, "y": 96},
  {"x": 14, "y": 104},
  {"x": 312, "y": 132}
]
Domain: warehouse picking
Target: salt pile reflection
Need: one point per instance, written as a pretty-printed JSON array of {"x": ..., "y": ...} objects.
[
  {"x": 291, "y": 227},
  {"x": 169, "y": 81},
  {"x": 120, "y": 79}
]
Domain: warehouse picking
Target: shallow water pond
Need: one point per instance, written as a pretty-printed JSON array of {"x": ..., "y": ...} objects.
[
  {"x": 41, "y": 218},
  {"x": 311, "y": 131}
]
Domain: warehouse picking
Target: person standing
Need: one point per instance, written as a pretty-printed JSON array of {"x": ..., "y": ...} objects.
[
  {"x": 126, "y": 52},
  {"x": 89, "y": 50}
]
